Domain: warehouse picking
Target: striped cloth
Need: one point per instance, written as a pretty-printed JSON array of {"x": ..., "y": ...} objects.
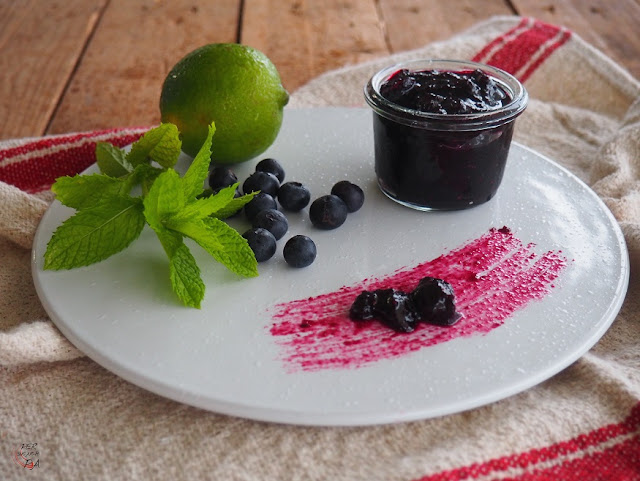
[
  {"x": 522, "y": 49},
  {"x": 32, "y": 165}
]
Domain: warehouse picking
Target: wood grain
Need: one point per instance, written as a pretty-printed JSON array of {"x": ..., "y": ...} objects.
[
  {"x": 119, "y": 79},
  {"x": 611, "y": 26},
  {"x": 413, "y": 23},
  {"x": 306, "y": 38},
  {"x": 40, "y": 44},
  {"x": 92, "y": 64}
]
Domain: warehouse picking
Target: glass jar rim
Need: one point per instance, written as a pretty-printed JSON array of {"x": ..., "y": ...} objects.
[{"x": 438, "y": 121}]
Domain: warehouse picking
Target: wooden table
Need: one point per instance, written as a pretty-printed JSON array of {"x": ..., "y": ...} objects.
[{"x": 78, "y": 65}]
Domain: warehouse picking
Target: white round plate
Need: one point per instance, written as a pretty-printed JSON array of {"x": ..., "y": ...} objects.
[{"x": 224, "y": 357}]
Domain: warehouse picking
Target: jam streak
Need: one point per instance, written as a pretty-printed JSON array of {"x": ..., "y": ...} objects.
[{"x": 493, "y": 276}]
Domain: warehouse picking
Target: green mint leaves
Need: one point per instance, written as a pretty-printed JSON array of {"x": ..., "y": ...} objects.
[
  {"x": 95, "y": 233},
  {"x": 161, "y": 144},
  {"x": 109, "y": 217}
]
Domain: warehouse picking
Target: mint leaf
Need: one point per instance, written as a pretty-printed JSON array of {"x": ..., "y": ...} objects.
[
  {"x": 161, "y": 144},
  {"x": 112, "y": 160},
  {"x": 197, "y": 172},
  {"x": 87, "y": 190},
  {"x": 224, "y": 243},
  {"x": 165, "y": 198},
  {"x": 143, "y": 175},
  {"x": 233, "y": 206},
  {"x": 195, "y": 228},
  {"x": 93, "y": 234},
  {"x": 83, "y": 191},
  {"x": 184, "y": 272},
  {"x": 205, "y": 206},
  {"x": 185, "y": 277}
]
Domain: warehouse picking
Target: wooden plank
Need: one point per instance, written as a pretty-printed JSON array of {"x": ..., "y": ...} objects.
[
  {"x": 120, "y": 77},
  {"x": 40, "y": 43},
  {"x": 413, "y": 23},
  {"x": 306, "y": 38},
  {"x": 611, "y": 26}
]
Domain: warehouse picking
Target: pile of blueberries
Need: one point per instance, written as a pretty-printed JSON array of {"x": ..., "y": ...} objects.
[
  {"x": 269, "y": 224},
  {"x": 432, "y": 302}
]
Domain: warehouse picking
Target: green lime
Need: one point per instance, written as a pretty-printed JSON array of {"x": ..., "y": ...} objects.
[{"x": 235, "y": 86}]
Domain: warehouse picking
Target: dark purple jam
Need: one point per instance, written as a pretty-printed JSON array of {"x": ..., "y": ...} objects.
[
  {"x": 443, "y": 92},
  {"x": 442, "y": 168}
]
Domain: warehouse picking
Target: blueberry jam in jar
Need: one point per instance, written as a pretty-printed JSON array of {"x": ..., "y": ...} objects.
[{"x": 442, "y": 131}]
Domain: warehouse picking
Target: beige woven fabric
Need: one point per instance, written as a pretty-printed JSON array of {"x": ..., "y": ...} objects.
[{"x": 90, "y": 424}]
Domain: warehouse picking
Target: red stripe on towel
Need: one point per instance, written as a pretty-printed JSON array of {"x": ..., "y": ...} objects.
[
  {"x": 521, "y": 50},
  {"x": 52, "y": 141},
  {"x": 610, "y": 453},
  {"x": 560, "y": 39},
  {"x": 34, "y": 166},
  {"x": 499, "y": 42}
]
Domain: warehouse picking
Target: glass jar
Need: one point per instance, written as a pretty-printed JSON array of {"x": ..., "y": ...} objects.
[{"x": 442, "y": 161}]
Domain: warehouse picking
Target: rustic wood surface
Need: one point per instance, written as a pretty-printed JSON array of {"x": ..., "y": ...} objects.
[{"x": 89, "y": 64}]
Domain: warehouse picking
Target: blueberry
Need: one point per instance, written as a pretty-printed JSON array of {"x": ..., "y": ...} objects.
[
  {"x": 263, "y": 182},
  {"x": 272, "y": 166},
  {"x": 261, "y": 201},
  {"x": 221, "y": 176},
  {"x": 362, "y": 308},
  {"x": 434, "y": 302},
  {"x": 328, "y": 212},
  {"x": 351, "y": 194},
  {"x": 273, "y": 220},
  {"x": 390, "y": 306},
  {"x": 293, "y": 196},
  {"x": 395, "y": 309},
  {"x": 300, "y": 251},
  {"x": 262, "y": 243}
]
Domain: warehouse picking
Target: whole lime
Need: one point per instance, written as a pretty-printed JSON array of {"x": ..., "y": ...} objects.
[{"x": 235, "y": 86}]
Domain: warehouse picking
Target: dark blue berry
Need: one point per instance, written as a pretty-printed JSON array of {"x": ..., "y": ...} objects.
[
  {"x": 293, "y": 196},
  {"x": 391, "y": 306},
  {"x": 262, "y": 243},
  {"x": 263, "y": 182},
  {"x": 328, "y": 212},
  {"x": 221, "y": 176},
  {"x": 395, "y": 309},
  {"x": 434, "y": 302},
  {"x": 261, "y": 201},
  {"x": 362, "y": 308},
  {"x": 351, "y": 194},
  {"x": 300, "y": 251},
  {"x": 272, "y": 166},
  {"x": 272, "y": 220}
]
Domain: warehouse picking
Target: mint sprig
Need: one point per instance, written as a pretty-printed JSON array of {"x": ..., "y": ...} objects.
[{"x": 109, "y": 217}]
